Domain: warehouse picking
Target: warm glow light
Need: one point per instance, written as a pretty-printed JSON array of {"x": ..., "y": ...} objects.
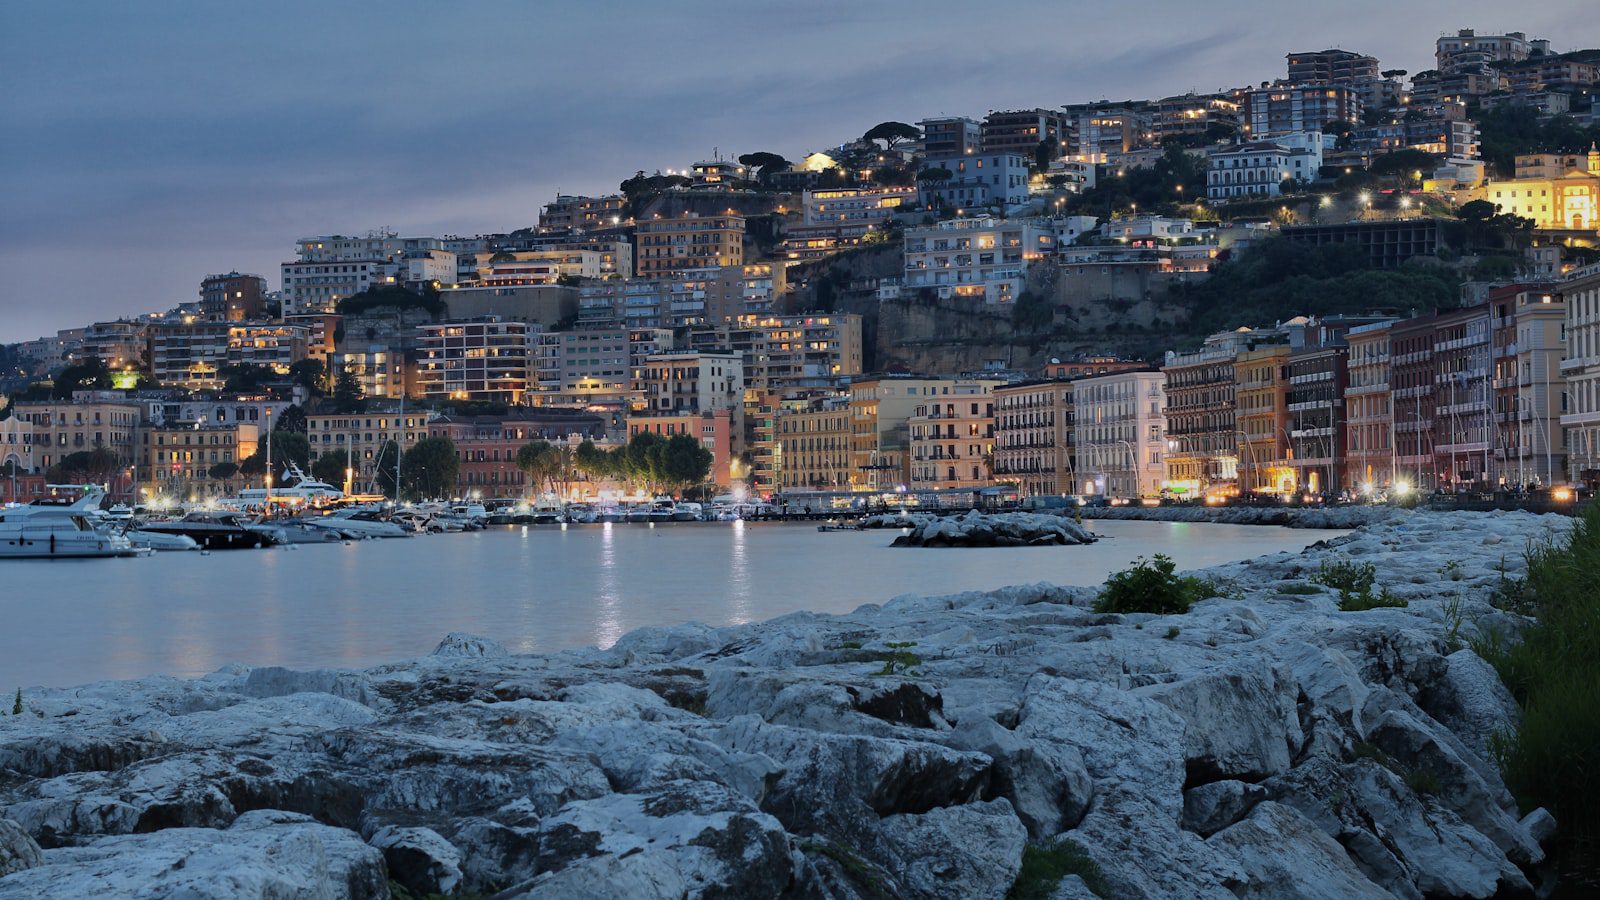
[
  {"x": 1402, "y": 488},
  {"x": 1561, "y": 495}
]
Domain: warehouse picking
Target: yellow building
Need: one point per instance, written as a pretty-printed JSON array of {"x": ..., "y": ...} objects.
[{"x": 1558, "y": 191}]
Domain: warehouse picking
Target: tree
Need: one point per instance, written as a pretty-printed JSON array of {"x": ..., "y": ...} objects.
[
  {"x": 292, "y": 419},
  {"x": 593, "y": 461},
  {"x": 1476, "y": 210},
  {"x": 892, "y": 133},
  {"x": 937, "y": 173},
  {"x": 97, "y": 466},
  {"x": 1403, "y": 163},
  {"x": 430, "y": 468},
  {"x": 766, "y": 163},
  {"x": 309, "y": 374},
  {"x": 538, "y": 460},
  {"x": 682, "y": 461},
  {"x": 89, "y": 374},
  {"x": 329, "y": 468},
  {"x": 347, "y": 395},
  {"x": 244, "y": 378},
  {"x": 223, "y": 471}
]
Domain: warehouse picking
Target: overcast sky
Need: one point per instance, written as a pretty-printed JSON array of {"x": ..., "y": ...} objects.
[{"x": 145, "y": 145}]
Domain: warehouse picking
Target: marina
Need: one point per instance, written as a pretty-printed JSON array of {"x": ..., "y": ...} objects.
[{"x": 536, "y": 588}]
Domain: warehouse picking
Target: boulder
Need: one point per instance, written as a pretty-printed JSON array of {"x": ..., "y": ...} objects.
[
  {"x": 263, "y": 855},
  {"x": 1284, "y": 855},
  {"x": 461, "y": 644},
  {"x": 419, "y": 859},
  {"x": 1045, "y": 780},
  {"x": 1240, "y": 720},
  {"x": 276, "y": 681},
  {"x": 18, "y": 850},
  {"x": 1211, "y": 807},
  {"x": 972, "y": 850}
]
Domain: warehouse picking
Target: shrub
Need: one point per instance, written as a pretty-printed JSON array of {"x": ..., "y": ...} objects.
[
  {"x": 1299, "y": 590},
  {"x": 900, "y": 658},
  {"x": 1151, "y": 587},
  {"x": 1044, "y": 865},
  {"x": 1344, "y": 575},
  {"x": 1173, "y": 632},
  {"x": 1360, "y": 601},
  {"x": 1553, "y": 758}
]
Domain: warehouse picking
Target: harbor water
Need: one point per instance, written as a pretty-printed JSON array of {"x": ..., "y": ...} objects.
[{"x": 533, "y": 589}]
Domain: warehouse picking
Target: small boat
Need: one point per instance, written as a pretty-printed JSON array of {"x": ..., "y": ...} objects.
[
  {"x": 352, "y": 522},
  {"x": 582, "y": 514},
  {"x": 687, "y": 512},
  {"x": 833, "y": 527},
  {"x": 155, "y": 540},
  {"x": 637, "y": 513},
  {"x": 611, "y": 515},
  {"x": 213, "y": 531},
  {"x": 297, "y": 531},
  {"x": 661, "y": 510}
]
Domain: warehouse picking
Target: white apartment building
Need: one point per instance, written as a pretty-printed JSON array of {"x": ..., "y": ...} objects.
[
  {"x": 977, "y": 179},
  {"x": 329, "y": 269},
  {"x": 982, "y": 258},
  {"x": 585, "y": 366},
  {"x": 1119, "y": 433},
  {"x": 1259, "y": 168},
  {"x": 541, "y": 267},
  {"x": 850, "y": 206},
  {"x": 680, "y": 382},
  {"x": 1581, "y": 368}
]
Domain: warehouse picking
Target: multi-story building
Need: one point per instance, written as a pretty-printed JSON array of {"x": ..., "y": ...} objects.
[
  {"x": 90, "y": 420},
  {"x": 584, "y": 366},
  {"x": 17, "y": 452},
  {"x": 176, "y": 460},
  {"x": 486, "y": 446},
  {"x": 1278, "y": 109},
  {"x": 813, "y": 445},
  {"x": 950, "y": 136},
  {"x": 533, "y": 304},
  {"x": 1369, "y": 413},
  {"x": 676, "y": 245},
  {"x": 1466, "y": 49},
  {"x": 1437, "y": 135},
  {"x": 752, "y": 289},
  {"x": 1261, "y": 391},
  {"x": 1033, "y": 437},
  {"x": 982, "y": 258},
  {"x": 1413, "y": 379},
  {"x": 781, "y": 351},
  {"x": 1187, "y": 115},
  {"x": 567, "y": 213},
  {"x": 1202, "y": 434},
  {"x": 1021, "y": 131},
  {"x": 866, "y": 206},
  {"x": 1316, "y": 414},
  {"x": 541, "y": 267},
  {"x": 276, "y": 347},
  {"x": 1553, "y": 75},
  {"x": 189, "y": 354},
  {"x": 952, "y": 437},
  {"x": 379, "y": 370},
  {"x": 977, "y": 180},
  {"x": 1556, "y": 191},
  {"x": 475, "y": 359},
  {"x": 321, "y": 330},
  {"x": 1331, "y": 67},
  {"x": 121, "y": 345},
  {"x": 1581, "y": 368},
  {"x": 233, "y": 297},
  {"x": 1106, "y": 131},
  {"x": 360, "y": 438},
  {"x": 880, "y": 408},
  {"x": 1529, "y": 323},
  {"x": 1259, "y": 168},
  {"x": 329, "y": 269},
  {"x": 1463, "y": 396},
  {"x": 1119, "y": 433},
  {"x": 678, "y": 382}
]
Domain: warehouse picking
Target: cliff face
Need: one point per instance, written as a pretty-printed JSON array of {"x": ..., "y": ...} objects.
[{"x": 1264, "y": 743}]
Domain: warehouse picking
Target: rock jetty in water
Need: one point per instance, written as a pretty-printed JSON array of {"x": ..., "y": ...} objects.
[
  {"x": 1262, "y": 744},
  {"x": 976, "y": 529},
  {"x": 1288, "y": 516}
]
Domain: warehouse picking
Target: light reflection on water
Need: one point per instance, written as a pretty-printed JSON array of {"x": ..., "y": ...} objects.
[{"x": 533, "y": 589}]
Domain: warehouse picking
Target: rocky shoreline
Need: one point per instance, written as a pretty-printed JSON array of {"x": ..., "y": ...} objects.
[
  {"x": 1337, "y": 517},
  {"x": 977, "y": 529},
  {"x": 1264, "y": 743}
]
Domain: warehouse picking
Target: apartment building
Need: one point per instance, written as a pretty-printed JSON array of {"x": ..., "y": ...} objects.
[
  {"x": 950, "y": 136},
  {"x": 1202, "y": 433},
  {"x": 584, "y": 366},
  {"x": 233, "y": 297},
  {"x": 475, "y": 359},
  {"x": 276, "y": 347},
  {"x": 782, "y": 351},
  {"x": 1033, "y": 437},
  {"x": 1192, "y": 115},
  {"x": 331, "y": 268},
  {"x": 1580, "y": 418},
  {"x": 1464, "y": 403},
  {"x": 1119, "y": 434},
  {"x": 1021, "y": 131},
  {"x": 952, "y": 437},
  {"x": 813, "y": 445},
  {"x": 1369, "y": 412},
  {"x": 1261, "y": 391},
  {"x": 676, "y": 382},
  {"x": 1466, "y": 49},
  {"x": 567, "y": 213},
  {"x": 176, "y": 460},
  {"x": 854, "y": 205},
  {"x": 191, "y": 355},
  {"x": 1529, "y": 325},
  {"x": 684, "y": 243},
  {"x": 1259, "y": 168},
  {"x": 1331, "y": 66},
  {"x": 984, "y": 258},
  {"x": 716, "y": 430},
  {"x": 976, "y": 180},
  {"x": 360, "y": 437},
  {"x": 121, "y": 345},
  {"x": 88, "y": 421},
  {"x": 1278, "y": 109},
  {"x": 1316, "y": 413}
]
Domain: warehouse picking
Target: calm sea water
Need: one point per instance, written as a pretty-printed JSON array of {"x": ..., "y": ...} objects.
[{"x": 545, "y": 588}]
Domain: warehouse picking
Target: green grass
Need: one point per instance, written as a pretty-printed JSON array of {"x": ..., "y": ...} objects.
[
  {"x": 1553, "y": 758},
  {"x": 1044, "y": 865},
  {"x": 1343, "y": 575},
  {"x": 1351, "y": 601},
  {"x": 1151, "y": 587}
]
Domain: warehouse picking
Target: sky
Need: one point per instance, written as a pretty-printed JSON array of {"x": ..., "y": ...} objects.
[{"x": 145, "y": 145}]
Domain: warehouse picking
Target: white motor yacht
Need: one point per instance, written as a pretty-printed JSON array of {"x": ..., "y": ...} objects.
[
  {"x": 358, "y": 523},
  {"x": 52, "y": 530},
  {"x": 687, "y": 512}
]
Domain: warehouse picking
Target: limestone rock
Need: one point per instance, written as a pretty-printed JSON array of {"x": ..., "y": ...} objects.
[
  {"x": 1286, "y": 856},
  {"x": 972, "y": 850},
  {"x": 462, "y": 644},
  {"x": 18, "y": 850},
  {"x": 419, "y": 858}
]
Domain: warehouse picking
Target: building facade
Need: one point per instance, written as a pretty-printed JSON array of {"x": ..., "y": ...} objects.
[
  {"x": 952, "y": 438},
  {"x": 1120, "y": 434},
  {"x": 475, "y": 359},
  {"x": 984, "y": 258},
  {"x": 685, "y": 243},
  {"x": 1581, "y": 368},
  {"x": 1033, "y": 437}
]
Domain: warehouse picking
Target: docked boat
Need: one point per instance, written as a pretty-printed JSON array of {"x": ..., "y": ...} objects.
[
  {"x": 581, "y": 514},
  {"x": 637, "y": 513},
  {"x": 296, "y": 531},
  {"x": 155, "y": 540},
  {"x": 687, "y": 512},
  {"x": 297, "y": 488},
  {"x": 661, "y": 510},
  {"x": 60, "y": 530},
  {"x": 611, "y": 515},
  {"x": 358, "y": 523},
  {"x": 214, "y": 530}
]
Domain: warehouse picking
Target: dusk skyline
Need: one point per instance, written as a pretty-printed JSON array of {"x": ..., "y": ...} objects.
[{"x": 146, "y": 151}]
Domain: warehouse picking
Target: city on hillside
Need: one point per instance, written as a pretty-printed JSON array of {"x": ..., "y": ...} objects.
[{"x": 1343, "y": 280}]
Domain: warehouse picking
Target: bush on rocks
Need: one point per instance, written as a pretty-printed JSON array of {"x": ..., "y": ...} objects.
[{"x": 1151, "y": 587}]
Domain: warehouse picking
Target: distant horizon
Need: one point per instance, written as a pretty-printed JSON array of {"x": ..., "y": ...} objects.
[{"x": 146, "y": 151}]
